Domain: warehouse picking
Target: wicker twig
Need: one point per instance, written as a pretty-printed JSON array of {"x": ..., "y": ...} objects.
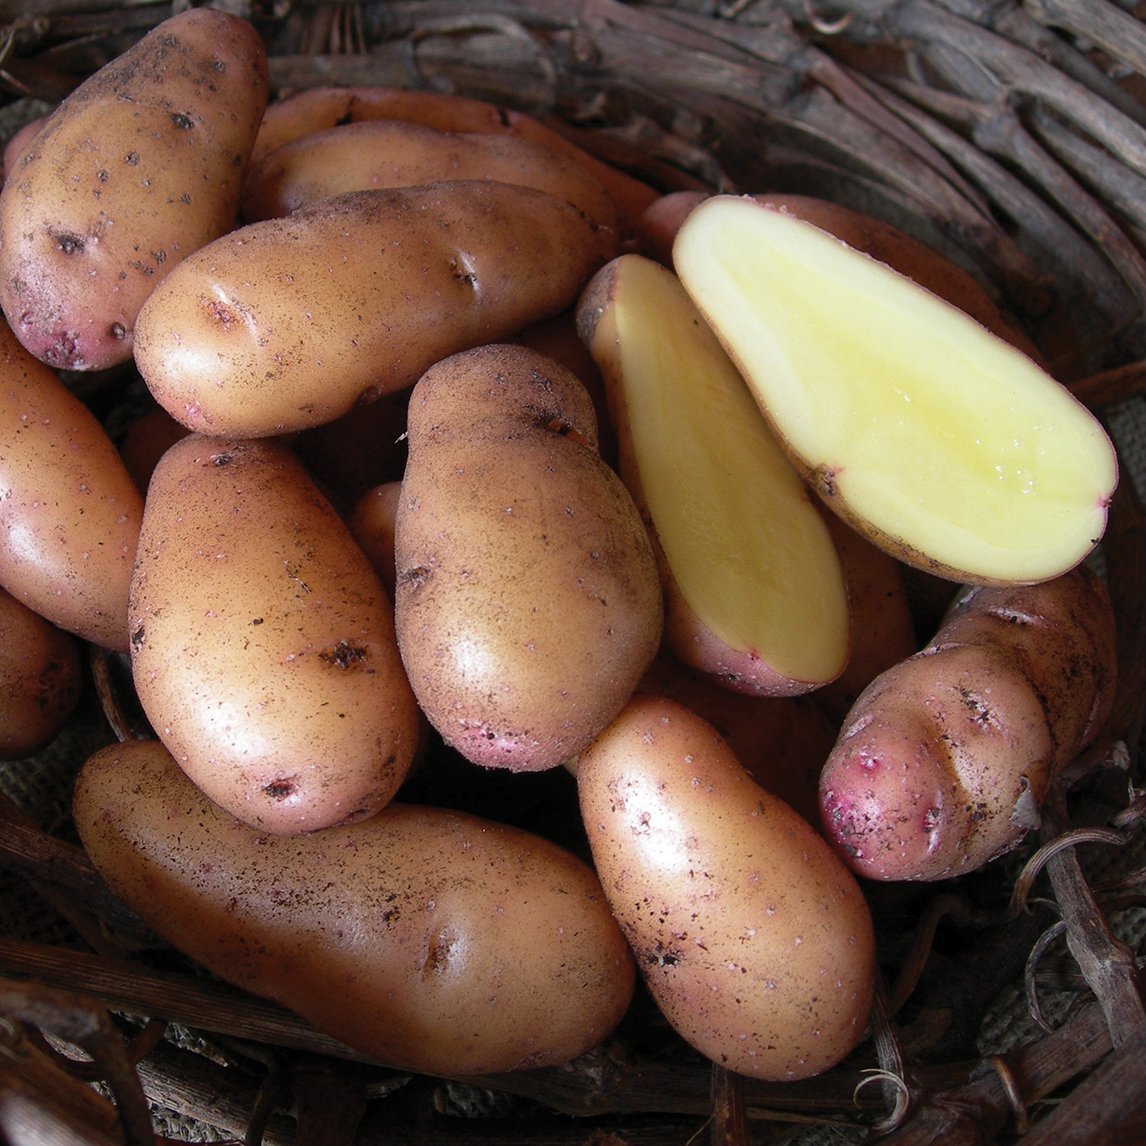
[
  {"x": 74, "y": 1019},
  {"x": 1105, "y": 25},
  {"x": 976, "y": 1112},
  {"x": 1107, "y": 964}
]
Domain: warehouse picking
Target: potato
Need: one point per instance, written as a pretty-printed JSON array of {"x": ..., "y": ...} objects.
[
  {"x": 752, "y": 936},
  {"x": 782, "y": 741},
  {"x": 428, "y": 939},
  {"x": 945, "y": 759},
  {"x": 289, "y": 323},
  {"x": 882, "y": 622},
  {"x": 147, "y": 439},
  {"x": 320, "y": 108},
  {"x": 931, "y": 436},
  {"x": 659, "y": 224},
  {"x": 394, "y": 153},
  {"x": 754, "y": 591},
  {"x": 371, "y": 521},
  {"x": 41, "y": 679},
  {"x": 527, "y": 602},
  {"x": 18, "y": 142},
  {"x": 262, "y": 643},
  {"x": 133, "y": 171},
  {"x": 70, "y": 513}
]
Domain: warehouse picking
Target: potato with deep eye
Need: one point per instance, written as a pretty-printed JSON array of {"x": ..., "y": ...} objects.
[
  {"x": 262, "y": 642},
  {"x": 753, "y": 937},
  {"x": 945, "y": 759},
  {"x": 527, "y": 599}
]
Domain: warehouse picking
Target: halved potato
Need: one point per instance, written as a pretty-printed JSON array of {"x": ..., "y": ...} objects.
[
  {"x": 754, "y": 590},
  {"x": 932, "y": 436}
]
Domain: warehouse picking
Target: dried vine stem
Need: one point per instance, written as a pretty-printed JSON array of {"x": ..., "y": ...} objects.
[
  {"x": 1118, "y": 33},
  {"x": 1107, "y": 964},
  {"x": 1109, "y": 1105},
  {"x": 979, "y": 1109},
  {"x": 728, "y": 1123}
]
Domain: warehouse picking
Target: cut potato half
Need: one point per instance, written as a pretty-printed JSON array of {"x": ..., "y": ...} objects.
[
  {"x": 935, "y": 438},
  {"x": 754, "y": 590}
]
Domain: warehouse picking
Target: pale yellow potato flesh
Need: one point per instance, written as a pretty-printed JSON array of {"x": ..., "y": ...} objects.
[
  {"x": 745, "y": 547},
  {"x": 934, "y": 437}
]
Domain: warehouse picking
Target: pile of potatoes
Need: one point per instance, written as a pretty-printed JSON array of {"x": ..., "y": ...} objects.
[{"x": 380, "y": 509}]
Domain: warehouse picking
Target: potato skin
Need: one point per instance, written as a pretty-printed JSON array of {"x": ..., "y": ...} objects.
[
  {"x": 70, "y": 512},
  {"x": 290, "y": 322},
  {"x": 371, "y": 522},
  {"x": 134, "y": 170},
  {"x": 945, "y": 759},
  {"x": 782, "y": 741},
  {"x": 41, "y": 679},
  {"x": 882, "y": 625},
  {"x": 262, "y": 643},
  {"x": 527, "y": 600},
  {"x": 18, "y": 141},
  {"x": 319, "y": 108},
  {"x": 431, "y": 940},
  {"x": 752, "y": 936},
  {"x": 394, "y": 153}
]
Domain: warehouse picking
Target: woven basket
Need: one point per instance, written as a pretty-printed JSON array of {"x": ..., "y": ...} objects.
[{"x": 1011, "y": 137}]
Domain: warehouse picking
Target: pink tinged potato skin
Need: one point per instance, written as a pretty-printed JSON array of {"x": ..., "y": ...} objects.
[
  {"x": 135, "y": 169},
  {"x": 945, "y": 759},
  {"x": 428, "y": 939},
  {"x": 262, "y": 642},
  {"x": 527, "y": 602}
]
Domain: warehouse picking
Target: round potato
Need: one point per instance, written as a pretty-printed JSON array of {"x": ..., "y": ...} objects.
[
  {"x": 262, "y": 642},
  {"x": 429, "y": 939},
  {"x": 753, "y": 937}
]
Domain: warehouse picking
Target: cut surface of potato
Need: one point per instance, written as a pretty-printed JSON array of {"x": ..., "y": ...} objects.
[
  {"x": 930, "y": 435},
  {"x": 747, "y": 552}
]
